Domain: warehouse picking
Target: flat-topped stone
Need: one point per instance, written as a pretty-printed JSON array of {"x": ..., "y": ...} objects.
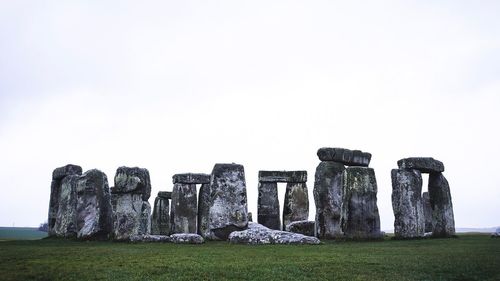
[
  {"x": 345, "y": 156},
  {"x": 186, "y": 238},
  {"x": 132, "y": 180},
  {"x": 150, "y": 238},
  {"x": 257, "y": 234},
  {"x": 191, "y": 178},
  {"x": 282, "y": 176},
  {"x": 165, "y": 194},
  {"x": 67, "y": 170},
  {"x": 423, "y": 164}
]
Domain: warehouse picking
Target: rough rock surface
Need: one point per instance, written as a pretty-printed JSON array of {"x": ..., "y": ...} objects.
[
  {"x": 65, "y": 222},
  {"x": 160, "y": 220},
  {"x": 443, "y": 221},
  {"x": 360, "y": 217},
  {"x": 282, "y": 176},
  {"x": 94, "y": 214},
  {"x": 303, "y": 227},
  {"x": 328, "y": 185},
  {"x": 131, "y": 215},
  {"x": 150, "y": 238},
  {"x": 345, "y": 156},
  {"x": 184, "y": 208},
  {"x": 132, "y": 180},
  {"x": 165, "y": 194},
  {"x": 296, "y": 207},
  {"x": 57, "y": 175},
  {"x": 204, "y": 211},
  {"x": 228, "y": 200},
  {"x": 268, "y": 205},
  {"x": 409, "y": 219},
  {"x": 191, "y": 178},
  {"x": 257, "y": 234},
  {"x": 423, "y": 164},
  {"x": 186, "y": 238},
  {"x": 250, "y": 218},
  {"x": 426, "y": 203}
]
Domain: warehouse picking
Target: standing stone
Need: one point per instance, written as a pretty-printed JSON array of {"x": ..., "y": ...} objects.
[
  {"x": 443, "y": 221},
  {"x": 228, "y": 200},
  {"x": 268, "y": 205},
  {"x": 360, "y": 217},
  {"x": 427, "y": 211},
  {"x": 129, "y": 201},
  {"x": 184, "y": 209},
  {"x": 409, "y": 219},
  {"x": 160, "y": 220},
  {"x": 94, "y": 214},
  {"x": 55, "y": 188},
  {"x": 296, "y": 207},
  {"x": 65, "y": 222},
  {"x": 328, "y": 185},
  {"x": 204, "y": 210}
]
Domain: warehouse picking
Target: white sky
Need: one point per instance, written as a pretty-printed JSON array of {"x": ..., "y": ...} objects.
[{"x": 177, "y": 86}]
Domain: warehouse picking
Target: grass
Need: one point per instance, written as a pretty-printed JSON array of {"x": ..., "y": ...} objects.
[
  {"x": 21, "y": 233},
  {"x": 469, "y": 257}
]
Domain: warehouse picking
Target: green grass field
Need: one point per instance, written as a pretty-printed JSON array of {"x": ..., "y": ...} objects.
[
  {"x": 21, "y": 233},
  {"x": 469, "y": 257}
]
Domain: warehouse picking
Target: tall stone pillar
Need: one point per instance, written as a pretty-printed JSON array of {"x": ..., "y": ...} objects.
[
  {"x": 296, "y": 207},
  {"x": 426, "y": 202},
  {"x": 443, "y": 221},
  {"x": 184, "y": 208},
  {"x": 160, "y": 220},
  {"x": 204, "y": 210},
  {"x": 268, "y": 205}
]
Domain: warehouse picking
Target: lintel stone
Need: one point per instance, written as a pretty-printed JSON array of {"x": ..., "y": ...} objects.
[
  {"x": 283, "y": 176},
  {"x": 191, "y": 178}
]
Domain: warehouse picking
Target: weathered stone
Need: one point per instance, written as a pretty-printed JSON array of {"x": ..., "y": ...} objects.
[
  {"x": 150, "y": 238},
  {"x": 282, "y": 176},
  {"x": 423, "y": 164},
  {"x": 426, "y": 203},
  {"x": 360, "y": 218},
  {"x": 165, "y": 194},
  {"x": 160, "y": 220},
  {"x": 184, "y": 208},
  {"x": 303, "y": 227},
  {"x": 191, "y": 178},
  {"x": 94, "y": 213},
  {"x": 443, "y": 221},
  {"x": 409, "y": 219},
  {"x": 296, "y": 207},
  {"x": 345, "y": 156},
  {"x": 132, "y": 180},
  {"x": 257, "y": 234},
  {"x": 186, "y": 238},
  {"x": 204, "y": 211},
  {"x": 328, "y": 185},
  {"x": 250, "y": 218},
  {"x": 57, "y": 175},
  {"x": 131, "y": 215},
  {"x": 65, "y": 222},
  {"x": 228, "y": 200},
  {"x": 268, "y": 205}
]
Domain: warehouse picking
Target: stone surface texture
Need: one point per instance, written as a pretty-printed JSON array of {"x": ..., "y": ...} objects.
[
  {"x": 132, "y": 180},
  {"x": 160, "y": 220},
  {"x": 186, "y": 238},
  {"x": 296, "y": 206},
  {"x": 204, "y": 211},
  {"x": 443, "y": 221},
  {"x": 191, "y": 178},
  {"x": 302, "y": 227},
  {"x": 268, "y": 205},
  {"x": 409, "y": 219},
  {"x": 184, "y": 208},
  {"x": 345, "y": 156},
  {"x": 150, "y": 238},
  {"x": 257, "y": 234},
  {"x": 426, "y": 203},
  {"x": 65, "y": 222},
  {"x": 423, "y": 164},
  {"x": 360, "y": 217},
  {"x": 282, "y": 176},
  {"x": 165, "y": 194},
  {"x": 328, "y": 185}
]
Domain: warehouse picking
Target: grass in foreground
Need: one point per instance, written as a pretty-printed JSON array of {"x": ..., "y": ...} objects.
[{"x": 470, "y": 257}]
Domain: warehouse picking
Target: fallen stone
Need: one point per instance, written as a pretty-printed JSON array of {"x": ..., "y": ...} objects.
[
  {"x": 186, "y": 238},
  {"x": 184, "y": 208},
  {"x": 345, "y": 156},
  {"x": 423, "y": 164},
  {"x": 296, "y": 207},
  {"x": 132, "y": 180},
  {"x": 94, "y": 213},
  {"x": 302, "y": 227},
  {"x": 257, "y": 234},
  {"x": 150, "y": 238},
  {"x": 328, "y": 185},
  {"x": 70, "y": 169},
  {"x": 228, "y": 200},
  {"x": 360, "y": 218},
  {"x": 204, "y": 211},
  {"x": 160, "y": 220},
  {"x": 426, "y": 203},
  {"x": 131, "y": 215},
  {"x": 282, "y": 176},
  {"x": 443, "y": 221},
  {"x": 268, "y": 205},
  {"x": 409, "y": 219},
  {"x": 65, "y": 222},
  {"x": 191, "y": 178}
]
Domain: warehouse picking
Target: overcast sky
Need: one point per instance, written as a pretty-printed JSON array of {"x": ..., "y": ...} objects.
[{"x": 177, "y": 86}]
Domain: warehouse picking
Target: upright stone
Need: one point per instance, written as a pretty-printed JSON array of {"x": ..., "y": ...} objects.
[
  {"x": 94, "y": 212},
  {"x": 65, "y": 222},
  {"x": 55, "y": 188},
  {"x": 268, "y": 205},
  {"x": 409, "y": 219},
  {"x": 328, "y": 184},
  {"x": 427, "y": 211},
  {"x": 296, "y": 207},
  {"x": 204, "y": 211},
  {"x": 184, "y": 208},
  {"x": 443, "y": 221},
  {"x": 360, "y": 217},
  {"x": 228, "y": 200},
  {"x": 160, "y": 220}
]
